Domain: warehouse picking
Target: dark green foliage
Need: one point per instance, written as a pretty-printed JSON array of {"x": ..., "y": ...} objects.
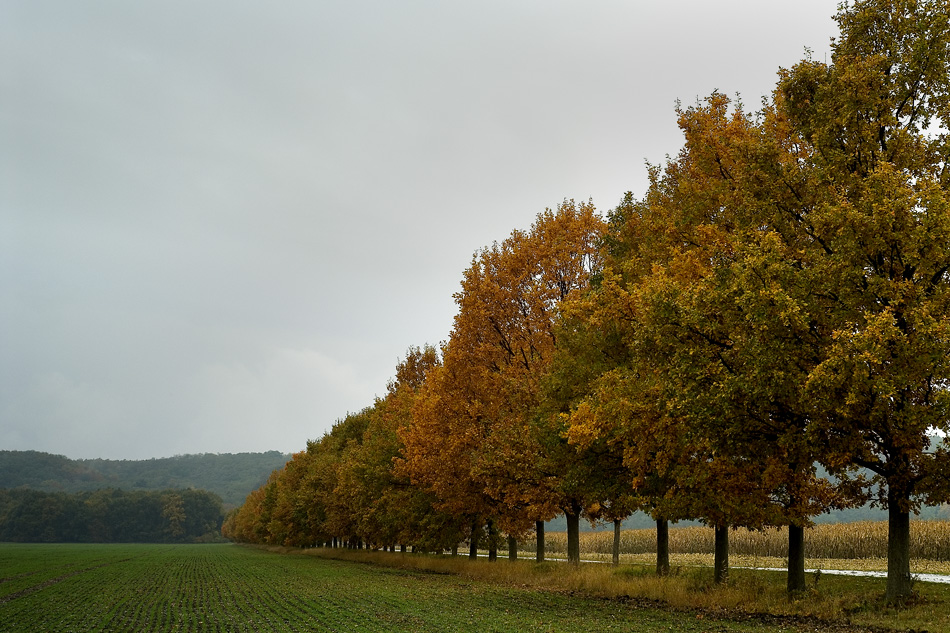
[{"x": 110, "y": 516}]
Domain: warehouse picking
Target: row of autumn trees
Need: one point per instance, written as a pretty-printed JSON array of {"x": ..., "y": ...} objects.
[{"x": 779, "y": 299}]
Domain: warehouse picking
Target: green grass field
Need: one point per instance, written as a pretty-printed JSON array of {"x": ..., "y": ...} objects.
[
  {"x": 224, "y": 587},
  {"x": 231, "y": 588}
]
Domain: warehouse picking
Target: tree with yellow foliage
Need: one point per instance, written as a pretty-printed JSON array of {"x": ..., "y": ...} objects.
[
  {"x": 786, "y": 284},
  {"x": 384, "y": 507},
  {"x": 706, "y": 402}
]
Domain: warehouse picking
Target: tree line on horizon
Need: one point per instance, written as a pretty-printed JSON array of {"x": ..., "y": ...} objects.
[
  {"x": 110, "y": 516},
  {"x": 778, "y": 300}
]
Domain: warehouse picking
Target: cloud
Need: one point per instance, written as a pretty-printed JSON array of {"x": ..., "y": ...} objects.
[
  {"x": 62, "y": 411},
  {"x": 223, "y": 223},
  {"x": 285, "y": 394}
]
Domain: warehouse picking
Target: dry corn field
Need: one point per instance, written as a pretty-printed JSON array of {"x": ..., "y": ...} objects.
[{"x": 930, "y": 540}]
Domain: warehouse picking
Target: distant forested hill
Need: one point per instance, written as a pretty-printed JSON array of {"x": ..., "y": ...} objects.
[{"x": 230, "y": 476}]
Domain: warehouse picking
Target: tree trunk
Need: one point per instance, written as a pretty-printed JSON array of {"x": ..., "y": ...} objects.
[
  {"x": 512, "y": 548},
  {"x": 573, "y": 536},
  {"x": 539, "y": 533},
  {"x": 455, "y": 549},
  {"x": 402, "y": 548},
  {"x": 721, "y": 562},
  {"x": 899, "y": 585},
  {"x": 492, "y": 542},
  {"x": 796, "y": 559},
  {"x": 473, "y": 541},
  {"x": 662, "y": 547},
  {"x": 616, "y": 560}
]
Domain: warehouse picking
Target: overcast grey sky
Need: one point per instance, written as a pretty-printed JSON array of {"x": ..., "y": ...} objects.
[{"x": 222, "y": 223}]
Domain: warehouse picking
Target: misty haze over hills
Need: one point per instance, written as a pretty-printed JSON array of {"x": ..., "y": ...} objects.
[{"x": 231, "y": 476}]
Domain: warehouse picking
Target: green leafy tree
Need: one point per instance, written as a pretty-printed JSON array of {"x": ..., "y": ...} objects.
[{"x": 880, "y": 228}]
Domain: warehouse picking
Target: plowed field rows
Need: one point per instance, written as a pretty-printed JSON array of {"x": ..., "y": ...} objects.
[{"x": 59, "y": 588}]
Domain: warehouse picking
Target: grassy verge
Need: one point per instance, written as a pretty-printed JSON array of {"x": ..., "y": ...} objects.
[{"x": 830, "y": 601}]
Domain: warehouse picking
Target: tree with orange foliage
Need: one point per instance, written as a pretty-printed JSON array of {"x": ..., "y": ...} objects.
[
  {"x": 384, "y": 506},
  {"x": 475, "y": 439}
]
